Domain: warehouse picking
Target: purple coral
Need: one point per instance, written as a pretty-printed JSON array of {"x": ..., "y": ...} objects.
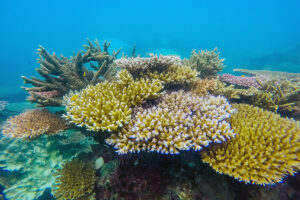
[{"x": 243, "y": 80}]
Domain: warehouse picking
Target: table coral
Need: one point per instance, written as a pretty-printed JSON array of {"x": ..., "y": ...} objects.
[
  {"x": 244, "y": 81},
  {"x": 34, "y": 123},
  {"x": 265, "y": 149},
  {"x": 182, "y": 121},
  {"x": 207, "y": 63},
  {"x": 107, "y": 105},
  {"x": 64, "y": 74},
  {"x": 76, "y": 180}
]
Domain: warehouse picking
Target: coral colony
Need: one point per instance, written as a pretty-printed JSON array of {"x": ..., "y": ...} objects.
[{"x": 156, "y": 107}]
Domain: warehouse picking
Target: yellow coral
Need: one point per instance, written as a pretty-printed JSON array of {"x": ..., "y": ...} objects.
[
  {"x": 174, "y": 75},
  {"x": 107, "y": 105},
  {"x": 76, "y": 181},
  {"x": 182, "y": 121},
  {"x": 265, "y": 149},
  {"x": 204, "y": 86},
  {"x": 33, "y": 123}
]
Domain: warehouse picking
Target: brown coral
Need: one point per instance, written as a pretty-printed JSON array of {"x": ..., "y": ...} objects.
[
  {"x": 76, "y": 181},
  {"x": 34, "y": 123},
  {"x": 204, "y": 86}
]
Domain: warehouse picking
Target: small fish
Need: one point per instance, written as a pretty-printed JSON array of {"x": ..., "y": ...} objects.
[
  {"x": 242, "y": 75},
  {"x": 84, "y": 74}
]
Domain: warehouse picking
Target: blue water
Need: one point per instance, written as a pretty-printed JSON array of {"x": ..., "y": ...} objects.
[{"x": 248, "y": 33}]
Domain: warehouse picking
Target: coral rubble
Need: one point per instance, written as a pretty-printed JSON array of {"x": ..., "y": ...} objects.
[
  {"x": 34, "y": 123},
  {"x": 35, "y": 161},
  {"x": 107, "y": 105},
  {"x": 75, "y": 180},
  {"x": 207, "y": 63},
  {"x": 62, "y": 74},
  {"x": 264, "y": 151},
  {"x": 182, "y": 121}
]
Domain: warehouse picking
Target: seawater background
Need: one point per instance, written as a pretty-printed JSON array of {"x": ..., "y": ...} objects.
[{"x": 249, "y": 34}]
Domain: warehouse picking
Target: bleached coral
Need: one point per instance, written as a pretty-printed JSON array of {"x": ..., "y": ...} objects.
[
  {"x": 265, "y": 149},
  {"x": 107, "y": 105},
  {"x": 33, "y": 123},
  {"x": 182, "y": 121},
  {"x": 207, "y": 63},
  {"x": 153, "y": 63},
  {"x": 35, "y": 161}
]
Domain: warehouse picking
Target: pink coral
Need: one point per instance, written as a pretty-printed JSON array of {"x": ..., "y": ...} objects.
[
  {"x": 48, "y": 94},
  {"x": 243, "y": 80}
]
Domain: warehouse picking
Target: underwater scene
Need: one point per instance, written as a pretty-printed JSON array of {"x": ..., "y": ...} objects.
[{"x": 150, "y": 100}]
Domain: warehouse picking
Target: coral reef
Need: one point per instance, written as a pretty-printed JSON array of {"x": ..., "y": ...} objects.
[
  {"x": 264, "y": 151},
  {"x": 276, "y": 95},
  {"x": 34, "y": 123},
  {"x": 35, "y": 161},
  {"x": 2, "y": 105},
  {"x": 76, "y": 180},
  {"x": 107, "y": 105},
  {"x": 204, "y": 86},
  {"x": 243, "y": 80},
  {"x": 62, "y": 74},
  {"x": 139, "y": 65},
  {"x": 182, "y": 121},
  {"x": 293, "y": 77},
  {"x": 207, "y": 63}
]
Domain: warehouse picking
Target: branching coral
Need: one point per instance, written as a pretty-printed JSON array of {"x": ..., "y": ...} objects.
[
  {"x": 139, "y": 65},
  {"x": 182, "y": 121},
  {"x": 62, "y": 74},
  {"x": 265, "y": 149},
  {"x": 207, "y": 63},
  {"x": 35, "y": 161},
  {"x": 34, "y": 123},
  {"x": 76, "y": 181},
  {"x": 276, "y": 95},
  {"x": 107, "y": 105},
  {"x": 204, "y": 86}
]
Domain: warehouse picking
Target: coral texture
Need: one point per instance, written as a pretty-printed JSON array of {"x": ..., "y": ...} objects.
[
  {"x": 107, "y": 105},
  {"x": 62, "y": 74},
  {"x": 35, "y": 161},
  {"x": 33, "y": 123},
  {"x": 139, "y": 65},
  {"x": 207, "y": 63},
  {"x": 266, "y": 147},
  {"x": 76, "y": 180},
  {"x": 277, "y": 95},
  {"x": 182, "y": 121},
  {"x": 204, "y": 86},
  {"x": 243, "y": 80}
]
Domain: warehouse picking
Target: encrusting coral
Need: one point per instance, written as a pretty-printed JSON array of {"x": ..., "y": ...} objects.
[
  {"x": 62, "y": 74},
  {"x": 34, "y": 123},
  {"x": 207, "y": 63},
  {"x": 266, "y": 147},
  {"x": 107, "y": 105},
  {"x": 182, "y": 121},
  {"x": 76, "y": 180}
]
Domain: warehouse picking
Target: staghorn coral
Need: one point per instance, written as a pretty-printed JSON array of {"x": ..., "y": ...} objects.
[
  {"x": 207, "y": 63},
  {"x": 138, "y": 65},
  {"x": 182, "y": 121},
  {"x": 174, "y": 75},
  {"x": 107, "y": 105},
  {"x": 34, "y": 123},
  {"x": 243, "y": 81},
  {"x": 62, "y": 74},
  {"x": 265, "y": 149},
  {"x": 231, "y": 92},
  {"x": 204, "y": 86},
  {"x": 76, "y": 180},
  {"x": 35, "y": 161},
  {"x": 276, "y": 95}
]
